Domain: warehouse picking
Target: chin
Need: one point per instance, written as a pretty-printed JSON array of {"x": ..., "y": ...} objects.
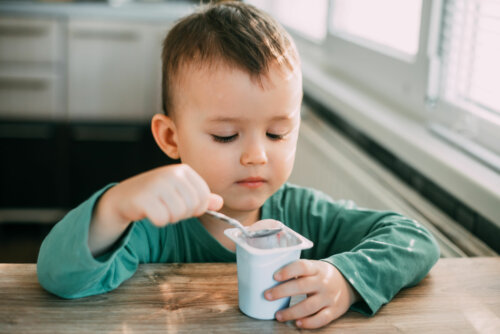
[{"x": 246, "y": 205}]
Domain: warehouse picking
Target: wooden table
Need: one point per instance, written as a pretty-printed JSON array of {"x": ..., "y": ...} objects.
[{"x": 458, "y": 296}]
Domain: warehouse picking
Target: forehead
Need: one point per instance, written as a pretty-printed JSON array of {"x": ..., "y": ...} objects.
[{"x": 225, "y": 92}]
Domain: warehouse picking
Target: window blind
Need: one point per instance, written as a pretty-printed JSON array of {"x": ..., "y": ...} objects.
[
  {"x": 466, "y": 104},
  {"x": 470, "y": 54}
]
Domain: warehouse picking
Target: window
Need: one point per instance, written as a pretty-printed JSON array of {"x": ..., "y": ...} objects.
[
  {"x": 470, "y": 52},
  {"x": 435, "y": 60},
  {"x": 382, "y": 47},
  {"x": 304, "y": 17},
  {"x": 389, "y": 23},
  {"x": 390, "y": 66},
  {"x": 467, "y": 99}
]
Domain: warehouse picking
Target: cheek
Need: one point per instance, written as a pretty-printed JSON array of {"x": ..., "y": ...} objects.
[
  {"x": 195, "y": 147},
  {"x": 288, "y": 153},
  {"x": 284, "y": 159},
  {"x": 211, "y": 161}
]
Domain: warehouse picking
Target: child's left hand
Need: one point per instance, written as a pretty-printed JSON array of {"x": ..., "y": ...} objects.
[{"x": 329, "y": 295}]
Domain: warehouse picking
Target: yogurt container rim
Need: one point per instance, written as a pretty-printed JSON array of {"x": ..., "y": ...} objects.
[{"x": 235, "y": 235}]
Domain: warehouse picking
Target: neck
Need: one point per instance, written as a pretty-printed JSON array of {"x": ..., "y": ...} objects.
[{"x": 247, "y": 218}]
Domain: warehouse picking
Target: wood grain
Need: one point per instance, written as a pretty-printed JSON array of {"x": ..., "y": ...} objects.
[{"x": 458, "y": 296}]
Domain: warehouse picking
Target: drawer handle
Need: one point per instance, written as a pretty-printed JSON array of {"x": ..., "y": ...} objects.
[
  {"x": 106, "y": 35},
  {"x": 26, "y": 131},
  {"x": 106, "y": 134},
  {"x": 23, "y": 83},
  {"x": 22, "y": 31}
]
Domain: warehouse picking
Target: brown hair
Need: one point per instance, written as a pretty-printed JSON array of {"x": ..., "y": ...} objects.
[{"x": 229, "y": 33}]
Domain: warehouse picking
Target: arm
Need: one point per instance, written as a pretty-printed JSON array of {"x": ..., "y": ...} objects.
[
  {"x": 378, "y": 252},
  {"x": 90, "y": 252},
  {"x": 391, "y": 252},
  {"x": 66, "y": 267},
  {"x": 164, "y": 195},
  {"x": 366, "y": 257}
]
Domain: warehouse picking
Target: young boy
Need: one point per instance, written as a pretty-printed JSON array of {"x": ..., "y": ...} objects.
[{"x": 232, "y": 93}]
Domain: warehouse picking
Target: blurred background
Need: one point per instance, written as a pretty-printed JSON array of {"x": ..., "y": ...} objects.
[{"x": 401, "y": 108}]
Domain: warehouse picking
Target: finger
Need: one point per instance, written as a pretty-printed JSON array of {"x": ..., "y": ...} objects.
[
  {"x": 322, "y": 318},
  {"x": 198, "y": 182},
  {"x": 202, "y": 192},
  {"x": 296, "y": 269},
  {"x": 295, "y": 287},
  {"x": 188, "y": 195},
  {"x": 157, "y": 213},
  {"x": 303, "y": 309},
  {"x": 177, "y": 210},
  {"x": 175, "y": 206},
  {"x": 215, "y": 202}
]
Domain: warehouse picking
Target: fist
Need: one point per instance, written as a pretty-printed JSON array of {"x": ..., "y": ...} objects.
[{"x": 164, "y": 195}]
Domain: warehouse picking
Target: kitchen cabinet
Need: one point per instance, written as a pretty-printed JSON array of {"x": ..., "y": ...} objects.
[
  {"x": 78, "y": 87},
  {"x": 113, "y": 70},
  {"x": 31, "y": 171},
  {"x": 30, "y": 40},
  {"x": 100, "y": 154},
  {"x": 59, "y": 165},
  {"x": 80, "y": 69},
  {"x": 30, "y": 95},
  {"x": 31, "y": 68},
  {"x": 79, "y": 84}
]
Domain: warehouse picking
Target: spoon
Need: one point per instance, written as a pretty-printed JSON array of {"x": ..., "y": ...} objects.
[{"x": 249, "y": 234}]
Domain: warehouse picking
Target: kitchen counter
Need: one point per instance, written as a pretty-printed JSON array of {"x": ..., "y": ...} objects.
[
  {"x": 458, "y": 296},
  {"x": 149, "y": 12}
]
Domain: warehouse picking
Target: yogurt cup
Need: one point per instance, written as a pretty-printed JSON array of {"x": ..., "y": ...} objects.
[{"x": 257, "y": 260}]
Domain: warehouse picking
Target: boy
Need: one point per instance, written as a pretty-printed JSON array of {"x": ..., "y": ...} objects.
[{"x": 232, "y": 92}]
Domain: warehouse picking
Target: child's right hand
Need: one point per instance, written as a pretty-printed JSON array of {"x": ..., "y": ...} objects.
[{"x": 164, "y": 195}]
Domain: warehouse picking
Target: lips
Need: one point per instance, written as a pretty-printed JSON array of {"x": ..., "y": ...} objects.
[{"x": 251, "y": 182}]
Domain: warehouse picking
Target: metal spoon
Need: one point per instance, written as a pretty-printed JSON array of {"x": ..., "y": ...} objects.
[{"x": 249, "y": 234}]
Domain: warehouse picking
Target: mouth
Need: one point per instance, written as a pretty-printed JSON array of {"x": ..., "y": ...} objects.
[{"x": 251, "y": 182}]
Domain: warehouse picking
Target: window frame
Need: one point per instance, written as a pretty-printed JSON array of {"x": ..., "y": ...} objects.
[
  {"x": 483, "y": 127},
  {"x": 405, "y": 77}
]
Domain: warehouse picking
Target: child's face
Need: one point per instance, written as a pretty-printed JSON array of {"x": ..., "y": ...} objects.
[{"x": 240, "y": 136}]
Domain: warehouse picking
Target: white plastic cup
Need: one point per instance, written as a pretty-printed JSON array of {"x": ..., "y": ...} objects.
[{"x": 256, "y": 268}]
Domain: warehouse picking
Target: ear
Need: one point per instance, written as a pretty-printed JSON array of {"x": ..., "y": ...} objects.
[{"x": 165, "y": 134}]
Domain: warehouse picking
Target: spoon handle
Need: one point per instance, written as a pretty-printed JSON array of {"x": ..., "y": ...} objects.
[{"x": 229, "y": 220}]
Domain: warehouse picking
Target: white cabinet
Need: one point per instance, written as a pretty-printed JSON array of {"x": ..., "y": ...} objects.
[
  {"x": 31, "y": 68},
  {"x": 30, "y": 40},
  {"x": 30, "y": 95},
  {"x": 80, "y": 68},
  {"x": 112, "y": 70},
  {"x": 154, "y": 95}
]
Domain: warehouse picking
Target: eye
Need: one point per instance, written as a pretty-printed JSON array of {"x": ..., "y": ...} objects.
[
  {"x": 274, "y": 136},
  {"x": 222, "y": 139}
]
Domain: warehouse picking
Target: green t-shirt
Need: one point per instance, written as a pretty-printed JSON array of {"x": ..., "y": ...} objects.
[{"x": 378, "y": 252}]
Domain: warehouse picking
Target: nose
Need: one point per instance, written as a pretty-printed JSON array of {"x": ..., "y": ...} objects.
[{"x": 254, "y": 153}]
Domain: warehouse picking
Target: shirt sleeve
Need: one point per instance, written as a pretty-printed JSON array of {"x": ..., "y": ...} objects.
[
  {"x": 66, "y": 267},
  {"x": 378, "y": 252}
]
